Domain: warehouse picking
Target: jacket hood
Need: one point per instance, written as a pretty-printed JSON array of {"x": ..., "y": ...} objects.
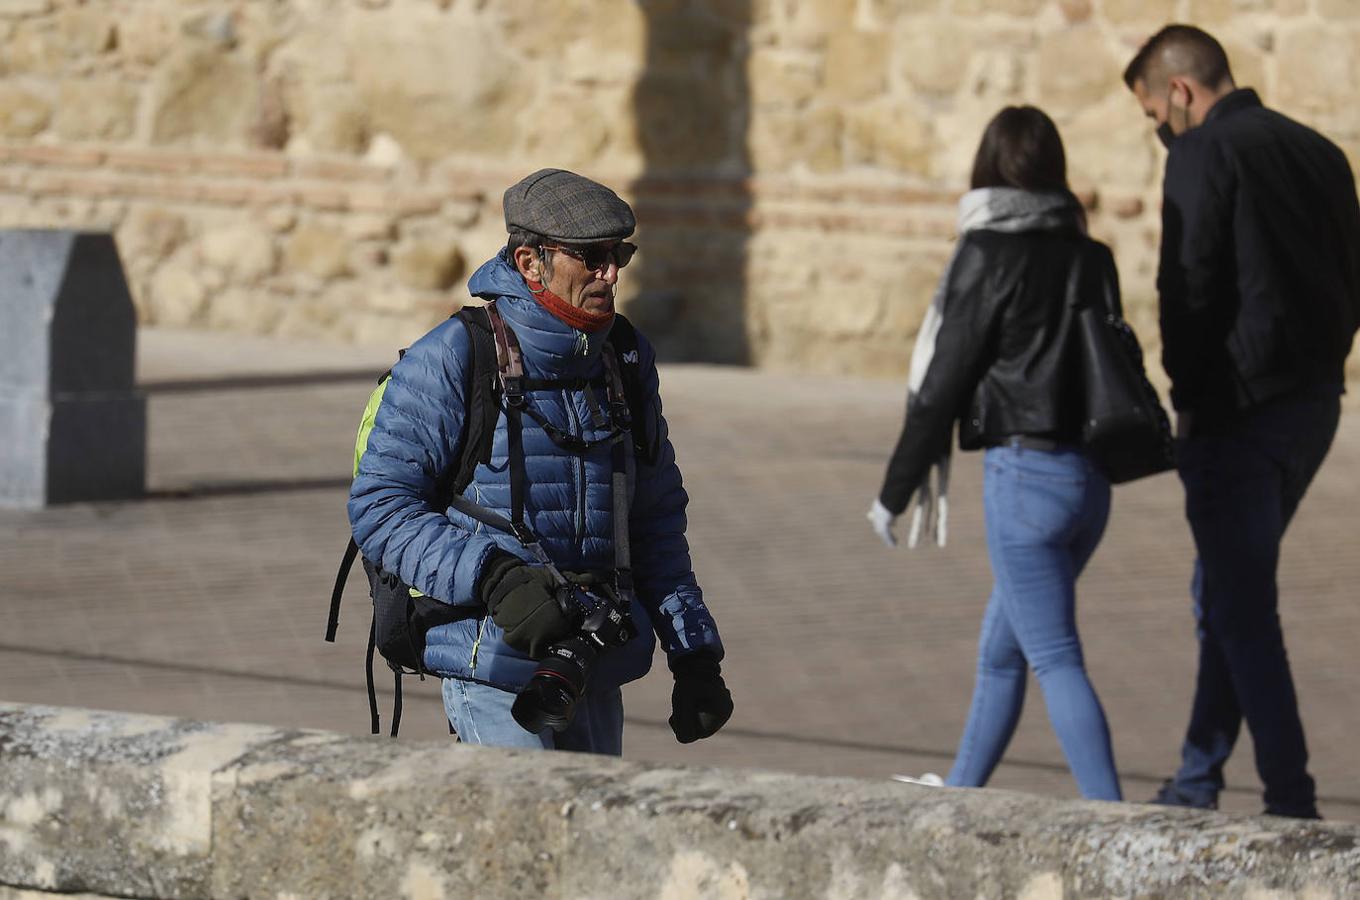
[{"x": 552, "y": 348}]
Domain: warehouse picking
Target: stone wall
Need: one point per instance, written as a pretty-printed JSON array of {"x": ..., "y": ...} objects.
[
  {"x": 334, "y": 167},
  {"x": 105, "y": 804}
]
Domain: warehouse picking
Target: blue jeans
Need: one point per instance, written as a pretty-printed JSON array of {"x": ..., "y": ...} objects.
[
  {"x": 1243, "y": 482},
  {"x": 1045, "y": 512},
  {"x": 481, "y": 715}
]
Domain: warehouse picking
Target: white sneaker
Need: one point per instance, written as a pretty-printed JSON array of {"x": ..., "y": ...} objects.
[{"x": 929, "y": 779}]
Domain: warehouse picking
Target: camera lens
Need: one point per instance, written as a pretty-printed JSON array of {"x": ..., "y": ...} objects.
[{"x": 548, "y": 699}]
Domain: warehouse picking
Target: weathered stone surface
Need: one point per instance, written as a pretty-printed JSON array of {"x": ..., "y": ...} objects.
[
  {"x": 24, "y": 7},
  {"x": 1247, "y": 61},
  {"x": 439, "y": 83},
  {"x": 428, "y": 263},
  {"x": 86, "y": 31},
  {"x": 216, "y": 27},
  {"x": 1111, "y": 142},
  {"x": 201, "y": 95},
  {"x": 813, "y": 139},
  {"x": 151, "y": 233},
  {"x": 687, "y": 122},
  {"x": 177, "y": 296},
  {"x": 160, "y": 808},
  {"x": 23, "y": 113},
  {"x": 244, "y": 252},
  {"x": 452, "y": 97},
  {"x": 146, "y": 32},
  {"x": 933, "y": 55},
  {"x": 1211, "y": 12},
  {"x": 239, "y": 309},
  {"x": 1337, "y": 9},
  {"x": 318, "y": 250},
  {"x": 95, "y": 109},
  {"x": 1317, "y": 69},
  {"x": 856, "y": 64},
  {"x": 1075, "y": 11},
  {"x": 329, "y": 119},
  {"x": 1076, "y": 68},
  {"x": 1005, "y": 7},
  {"x": 780, "y": 78},
  {"x": 572, "y": 128},
  {"x": 1150, "y": 12},
  {"x": 891, "y": 136}
]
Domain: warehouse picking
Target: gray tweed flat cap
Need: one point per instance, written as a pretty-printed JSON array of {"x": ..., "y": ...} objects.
[{"x": 564, "y": 206}]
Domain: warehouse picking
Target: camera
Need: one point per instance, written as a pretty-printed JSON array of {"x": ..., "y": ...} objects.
[{"x": 548, "y": 699}]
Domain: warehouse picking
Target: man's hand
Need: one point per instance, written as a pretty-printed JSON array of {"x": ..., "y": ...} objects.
[
  {"x": 522, "y": 599},
  {"x": 882, "y": 522},
  {"x": 700, "y": 702}
]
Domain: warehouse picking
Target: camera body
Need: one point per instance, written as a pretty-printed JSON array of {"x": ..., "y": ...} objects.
[{"x": 548, "y": 699}]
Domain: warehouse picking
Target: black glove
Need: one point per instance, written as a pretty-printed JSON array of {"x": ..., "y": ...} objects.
[
  {"x": 522, "y": 599},
  {"x": 700, "y": 702}
]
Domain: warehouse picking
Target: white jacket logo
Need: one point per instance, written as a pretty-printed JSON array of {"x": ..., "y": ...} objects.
[{"x": 631, "y": 357}]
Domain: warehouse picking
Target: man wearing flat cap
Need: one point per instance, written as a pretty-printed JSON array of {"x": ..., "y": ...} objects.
[{"x": 578, "y": 498}]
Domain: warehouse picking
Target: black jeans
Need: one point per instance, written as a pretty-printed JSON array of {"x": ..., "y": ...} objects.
[{"x": 1243, "y": 481}]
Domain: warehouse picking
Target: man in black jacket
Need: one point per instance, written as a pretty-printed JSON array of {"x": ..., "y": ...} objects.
[{"x": 1259, "y": 286}]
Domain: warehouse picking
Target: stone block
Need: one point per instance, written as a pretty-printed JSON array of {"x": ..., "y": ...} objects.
[
  {"x": 1076, "y": 69},
  {"x": 23, "y": 113},
  {"x": 439, "y": 84},
  {"x": 318, "y": 250},
  {"x": 1317, "y": 71},
  {"x": 428, "y": 264},
  {"x": 244, "y": 252},
  {"x": 72, "y": 424},
  {"x": 95, "y": 109},
  {"x": 203, "y": 95},
  {"x": 1338, "y": 9},
  {"x": 856, "y": 64},
  {"x": 933, "y": 57},
  {"x": 1152, "y": 12}
]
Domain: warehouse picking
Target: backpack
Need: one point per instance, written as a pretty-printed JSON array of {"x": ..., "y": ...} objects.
[{"x": 402, "y": 615}]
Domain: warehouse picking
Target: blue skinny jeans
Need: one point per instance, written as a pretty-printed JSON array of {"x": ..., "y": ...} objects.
[{"x": 1045, "y": 514}]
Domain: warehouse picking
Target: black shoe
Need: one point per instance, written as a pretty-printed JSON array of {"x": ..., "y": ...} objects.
[
  {"x": 1171, "y": 795},
  {"x": 1305, "y": 812}
]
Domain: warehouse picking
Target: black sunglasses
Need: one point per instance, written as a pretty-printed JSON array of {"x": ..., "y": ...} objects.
[{"x": 598, "y": 256}]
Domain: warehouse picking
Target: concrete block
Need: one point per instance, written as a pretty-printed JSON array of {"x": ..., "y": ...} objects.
[{"x": 72, "y": 424}]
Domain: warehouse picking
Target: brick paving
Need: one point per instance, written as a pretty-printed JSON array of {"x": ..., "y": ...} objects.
[{"x": 209, "y": 598}]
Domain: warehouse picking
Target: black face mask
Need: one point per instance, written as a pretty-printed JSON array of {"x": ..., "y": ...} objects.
[{"x": 1165, "y": 134}]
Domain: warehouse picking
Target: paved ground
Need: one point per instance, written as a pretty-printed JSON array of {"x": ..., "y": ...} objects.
[{"x": 209, "y": 598}]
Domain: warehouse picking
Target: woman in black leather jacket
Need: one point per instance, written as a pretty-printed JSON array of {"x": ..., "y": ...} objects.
[{"x": 994, "y": 354}]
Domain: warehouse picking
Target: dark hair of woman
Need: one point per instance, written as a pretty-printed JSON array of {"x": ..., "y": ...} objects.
[{"x": 1021, "y": 149}]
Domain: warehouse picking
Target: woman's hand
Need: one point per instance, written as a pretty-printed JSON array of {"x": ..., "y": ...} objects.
[{"x": 882, "y": 522}]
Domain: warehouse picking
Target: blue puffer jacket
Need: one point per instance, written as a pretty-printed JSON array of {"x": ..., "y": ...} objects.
[{"x": 568, "y": 501}]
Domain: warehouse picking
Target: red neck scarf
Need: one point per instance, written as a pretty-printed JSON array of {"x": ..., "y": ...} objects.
[{"x": 580, "y": 319}]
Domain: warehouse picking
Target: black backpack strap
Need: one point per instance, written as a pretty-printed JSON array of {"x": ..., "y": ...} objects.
[
  {"x": 341, "y": 576},
  {"x": 396, "y": 701},
  {"x": 623, "y": 338},
  {"x": 374, "y": 725}
]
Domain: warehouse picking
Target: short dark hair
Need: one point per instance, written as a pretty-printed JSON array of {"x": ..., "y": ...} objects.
[
  {"x": 519, "y": 237},
  {"x": 1179, "y": 50},
  {"x": 1021, "y": 148}
]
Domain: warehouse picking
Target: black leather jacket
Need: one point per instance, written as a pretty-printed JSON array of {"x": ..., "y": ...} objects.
[{"x": 1004, "y": 362}]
